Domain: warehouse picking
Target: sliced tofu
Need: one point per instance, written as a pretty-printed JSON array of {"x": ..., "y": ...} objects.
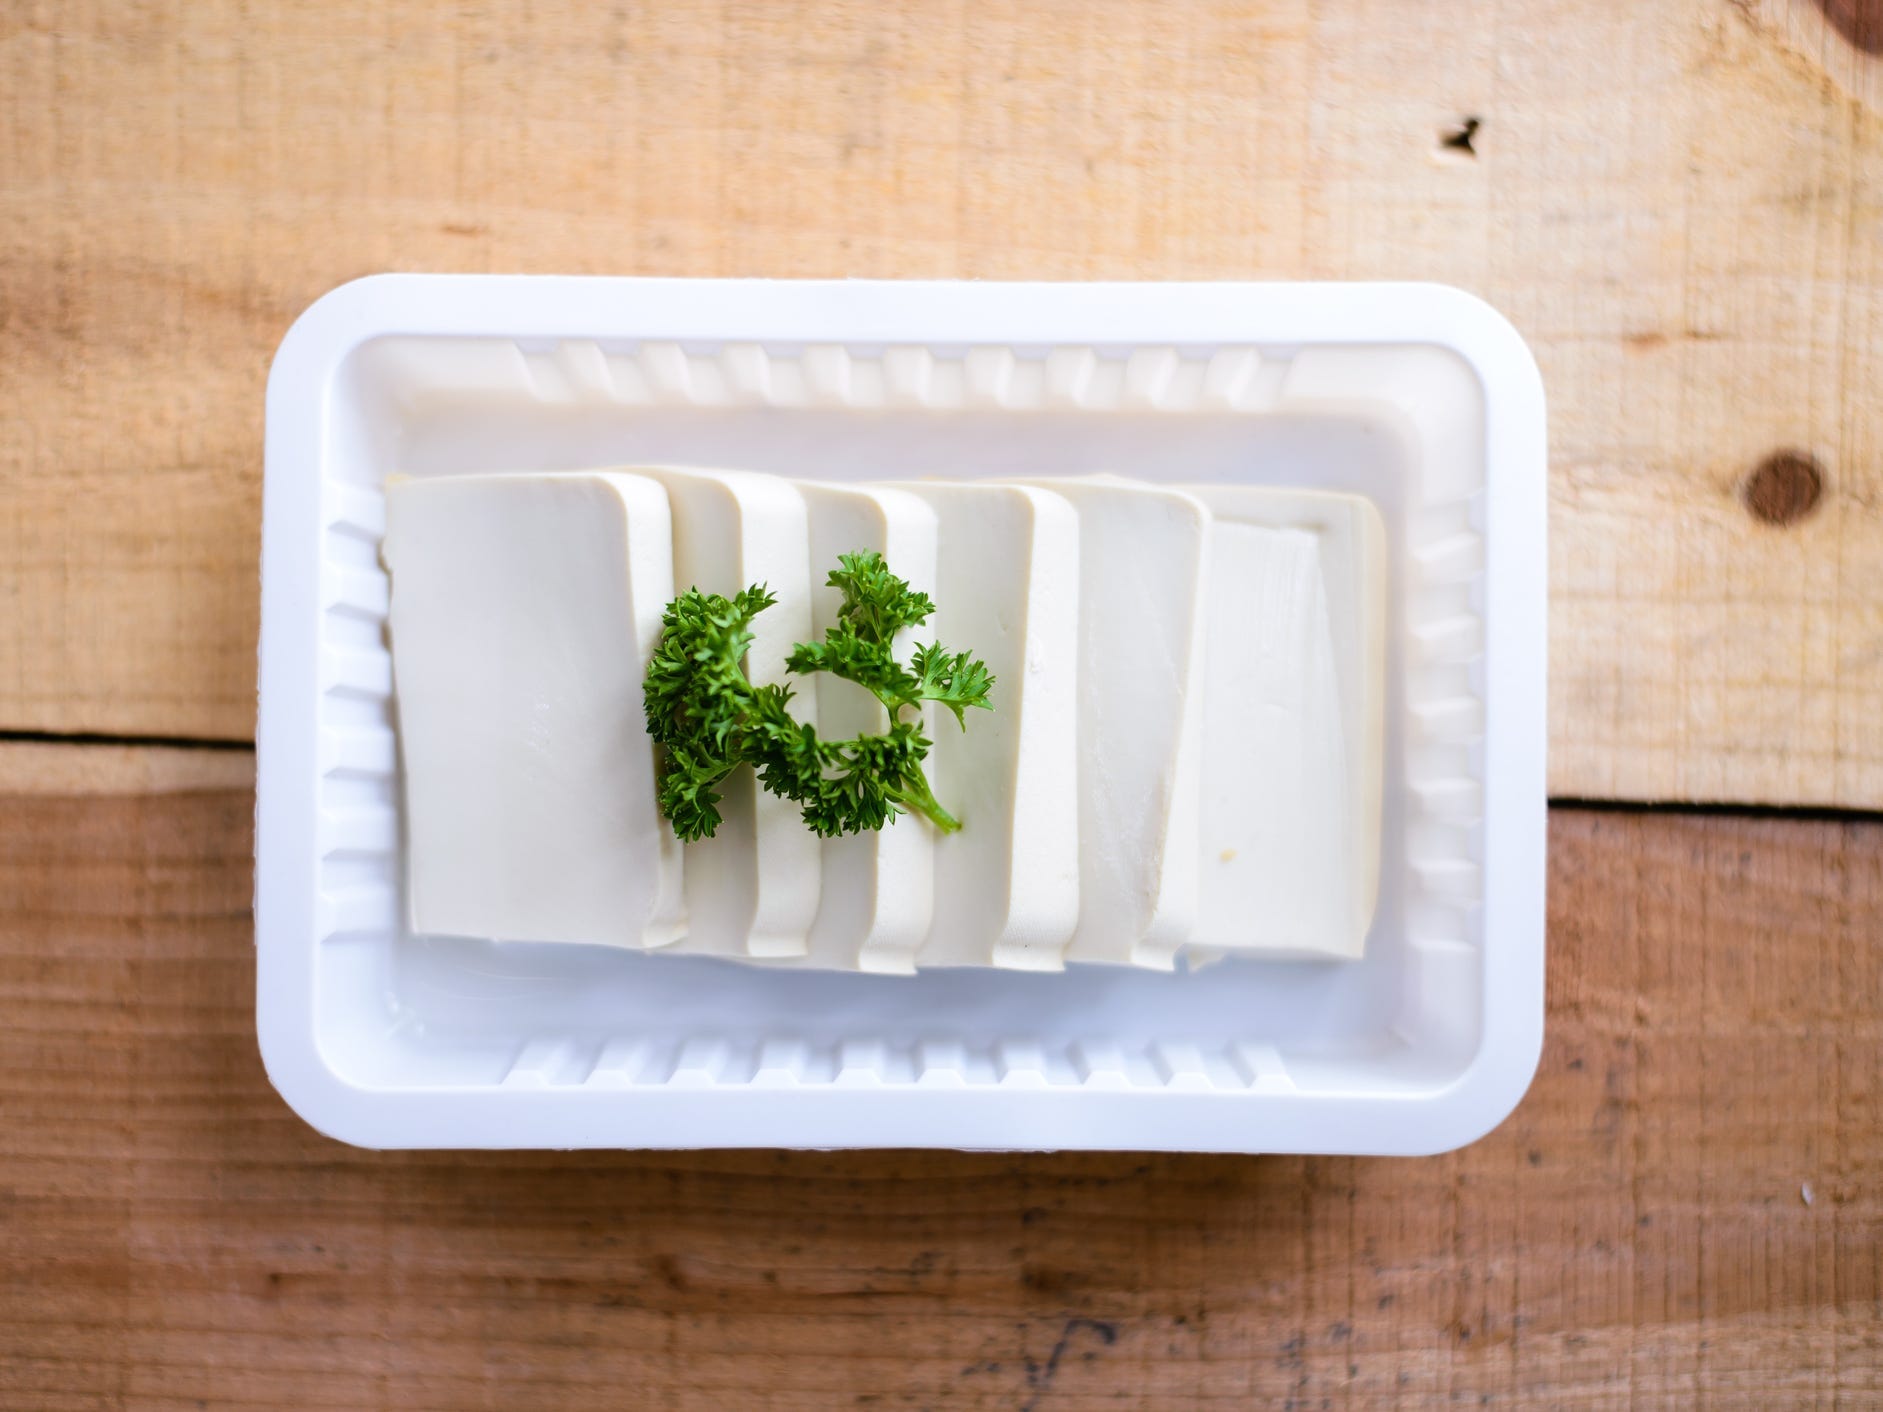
[
  {"x": 878, "y": 885},
  {"x": 752, "y": 888},
  {"x": 1142, "y": 559},
  {"x": 1007, "y": 589},
  {"x": 1293, "y": 725},
  {"x": 524, "y": 610}
]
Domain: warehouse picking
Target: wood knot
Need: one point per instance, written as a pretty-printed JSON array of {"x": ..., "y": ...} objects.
[
  {"x": 1859, "y": 21},
  {"x": 1783, "y": 488}
]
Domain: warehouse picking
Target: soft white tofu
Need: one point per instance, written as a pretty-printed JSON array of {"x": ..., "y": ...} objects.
[
  {"x": 877, "y": 885},
  {"x": 524, "y": 610},
  {"x": 752, "y": 889},
  {"x": 1007, "y": 589},
  {"x": 1143, "y": 552},
  {"x": 1293, "y": 723}
]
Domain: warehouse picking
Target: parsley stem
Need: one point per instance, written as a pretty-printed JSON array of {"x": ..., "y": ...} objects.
[{"x": 921, "y": 800}]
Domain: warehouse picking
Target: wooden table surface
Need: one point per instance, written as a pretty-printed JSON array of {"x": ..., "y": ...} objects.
[{"x": 1680, "y": 205}]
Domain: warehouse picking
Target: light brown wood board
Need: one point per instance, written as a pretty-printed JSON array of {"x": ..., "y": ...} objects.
[
  {"x": 1680, "y": 205},
  {"x": 1686, "y": 1211}
]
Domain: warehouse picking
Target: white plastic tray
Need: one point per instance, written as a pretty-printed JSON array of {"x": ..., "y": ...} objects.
[{"x": 1417, "y": 395}]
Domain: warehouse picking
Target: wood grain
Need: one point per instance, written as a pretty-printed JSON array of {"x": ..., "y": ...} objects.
[
  {"x": 1686, "y": 1211},
  {"x": 1673, "y": 202}
]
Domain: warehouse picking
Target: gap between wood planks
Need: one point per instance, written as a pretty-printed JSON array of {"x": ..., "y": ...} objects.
[
  {"x": 47, "y": 762},
  {"x": 168, "y": 742}
]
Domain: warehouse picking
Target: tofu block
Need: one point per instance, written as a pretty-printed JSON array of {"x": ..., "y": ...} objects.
[
  {"x": 1293, "y": 724},
  {"x": 1142, "y": 563},
  {"x": 877, "y": 886},
  {"x": 524, "y": 610},
  {"x": 1007, "y": 589},
  {"x": 752, "y": 889}
]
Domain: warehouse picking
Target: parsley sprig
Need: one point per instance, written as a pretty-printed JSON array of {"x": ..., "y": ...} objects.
[{"x": 709, "y": 719}]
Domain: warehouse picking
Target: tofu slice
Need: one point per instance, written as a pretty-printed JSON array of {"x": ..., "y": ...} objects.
[
  {"x": 1142, "y": 556},
  {"x": 1293, "y": 725},
  {"x": 524, "y": 610},
  {"x": 1007, "y": 586},
  {"x": 877, "y": 886},
  {"x": 752, "y": 888}
]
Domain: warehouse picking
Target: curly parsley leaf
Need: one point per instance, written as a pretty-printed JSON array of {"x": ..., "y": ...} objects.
[
  {"x": 876, "y": 604},
  {"x": 697, "y": 702},
  {"x": 956, "y": 680},
  {"x": 870, "y": 665}
]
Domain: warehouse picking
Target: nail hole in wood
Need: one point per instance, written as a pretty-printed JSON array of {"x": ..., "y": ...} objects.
[
  {"x": 1457, "y": 141},
  {"x": 1783, "y": 488}
]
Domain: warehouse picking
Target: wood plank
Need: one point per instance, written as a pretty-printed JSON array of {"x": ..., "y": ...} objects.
[
  {"x": 1671, "y": 201},
  {"x": 58, "y": 768},
  {"x": 1687, "y": 1210}
]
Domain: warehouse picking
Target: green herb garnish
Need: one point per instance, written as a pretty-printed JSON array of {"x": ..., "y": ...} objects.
[{"x": 709, "y": 719}]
